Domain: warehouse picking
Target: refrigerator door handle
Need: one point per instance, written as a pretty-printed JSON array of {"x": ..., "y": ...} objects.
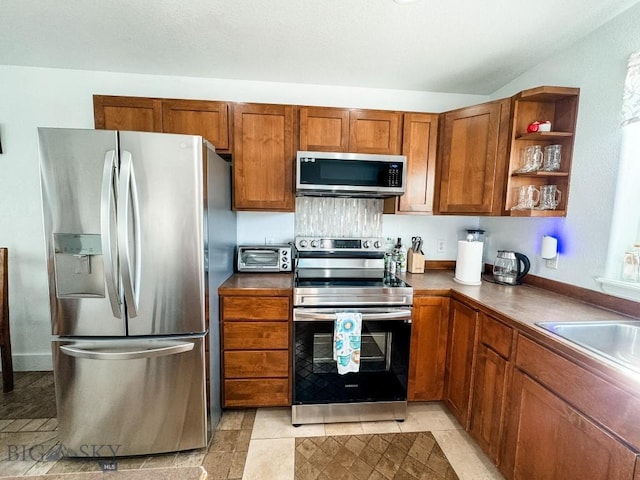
[
  {"x": 139, "y": 351},
  {"x": 127, "y": 191},
  {"x": 107, "y": 209}
]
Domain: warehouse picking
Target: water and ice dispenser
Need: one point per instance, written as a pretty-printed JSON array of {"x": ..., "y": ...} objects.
[{"x": 79, "y": 265}]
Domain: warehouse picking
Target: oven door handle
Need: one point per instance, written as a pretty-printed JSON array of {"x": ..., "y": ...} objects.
[{"x": 302, "y": 316}]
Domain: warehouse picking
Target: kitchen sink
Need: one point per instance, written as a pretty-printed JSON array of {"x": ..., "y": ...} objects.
[{"x": 618, "y": 341}]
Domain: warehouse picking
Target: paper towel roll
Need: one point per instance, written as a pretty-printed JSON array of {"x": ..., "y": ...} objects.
[{"x": 469, "y": 263}]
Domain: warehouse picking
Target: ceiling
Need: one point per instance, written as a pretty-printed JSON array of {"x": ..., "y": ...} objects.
[{"x": 461, "y": 46}]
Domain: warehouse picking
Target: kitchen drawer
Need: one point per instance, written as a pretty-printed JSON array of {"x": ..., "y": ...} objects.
[
  {"x": 270, "y": 392},
  {"x": 600, "y": 400},
  {"x": 255, "y": 308},
  {"x": 253, "y": 364},
  {"x": 496, "y": 335},
  {"x": 255, "y": 335}
]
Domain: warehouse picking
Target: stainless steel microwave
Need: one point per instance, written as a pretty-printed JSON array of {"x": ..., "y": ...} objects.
[
  {"x": 350, "y": 174},
  {"x": 264, "y": 258}
]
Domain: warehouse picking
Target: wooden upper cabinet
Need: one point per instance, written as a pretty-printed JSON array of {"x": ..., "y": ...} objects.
[
  {"x": 324, "y": 129},
  {"x": 208, "y": 119},
  {"x": 419, "y": 142},
  {"x": 375, "y": 131},
  {"x": 327, "y": 129},
  {"x": 473, "y": 156},
  {"x": 263, "y": 156},
  {"x": 127, "y": 113}
]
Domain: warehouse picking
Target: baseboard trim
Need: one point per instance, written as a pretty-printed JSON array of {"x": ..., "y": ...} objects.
[{"x": 27, "y": 362}]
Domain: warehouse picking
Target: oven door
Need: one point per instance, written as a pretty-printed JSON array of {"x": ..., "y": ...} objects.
[{"x": 384, "y": 357}]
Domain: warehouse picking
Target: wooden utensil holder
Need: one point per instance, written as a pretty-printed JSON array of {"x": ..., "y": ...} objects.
[{"x": 415, "y": 262}]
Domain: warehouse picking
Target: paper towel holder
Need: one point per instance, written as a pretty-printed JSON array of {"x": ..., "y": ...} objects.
[{"x": 549, "y": 251}]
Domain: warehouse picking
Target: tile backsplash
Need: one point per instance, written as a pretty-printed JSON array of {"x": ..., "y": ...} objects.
[{"x": 338, "y": 217}]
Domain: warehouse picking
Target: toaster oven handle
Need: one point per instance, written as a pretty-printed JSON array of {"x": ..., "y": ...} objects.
[{"x": 310, "y": 316}]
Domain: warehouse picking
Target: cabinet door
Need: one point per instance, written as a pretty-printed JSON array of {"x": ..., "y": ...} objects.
[
  {"x": 429, "y": 331},
  {"x": 263, "y": 157},
  {"x": 473, "y": 156},
  {"x": 375, "y": 131},
  {"x": 324, "y": 129},
  {"x": 127, "y": 113},
  {"x": 460, "y": 355},
  {"x": 194, "y": 117},
  {"x": 546, "y": 439},
  {"x": 488, "y": 400},
  {"x": 419, "y": 140}
]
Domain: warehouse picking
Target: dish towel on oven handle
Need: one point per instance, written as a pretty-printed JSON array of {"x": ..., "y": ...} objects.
[{"x": 346, "y": 341}]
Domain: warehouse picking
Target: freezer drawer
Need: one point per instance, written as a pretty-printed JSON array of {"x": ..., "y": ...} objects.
[{"x": 130, "y": 396}]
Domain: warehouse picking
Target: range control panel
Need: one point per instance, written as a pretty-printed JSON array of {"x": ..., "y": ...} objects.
[{"x": 322, "y": 244}]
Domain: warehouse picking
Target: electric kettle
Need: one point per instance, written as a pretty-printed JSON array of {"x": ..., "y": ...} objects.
[{"x": 510, "y": 267}]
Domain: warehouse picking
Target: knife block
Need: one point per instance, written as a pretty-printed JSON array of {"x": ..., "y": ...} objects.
[{"x": 415, "y": 262}]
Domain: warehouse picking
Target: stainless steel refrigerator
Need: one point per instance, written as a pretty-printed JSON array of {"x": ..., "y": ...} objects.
[{"x": 139, "y": 234}]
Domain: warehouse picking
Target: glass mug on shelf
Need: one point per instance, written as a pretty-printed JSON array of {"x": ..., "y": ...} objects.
[
  {"x": 549, "y": 197},
  {"x": 528, "y": 197},
  {"x": 551, "y": 158},
  {"x": 532, "y": 158}
]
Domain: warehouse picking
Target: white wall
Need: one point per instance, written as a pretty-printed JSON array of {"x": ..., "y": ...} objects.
[
  {"x": 597, "y": 65},
  {"x": 33, "y": 97}
]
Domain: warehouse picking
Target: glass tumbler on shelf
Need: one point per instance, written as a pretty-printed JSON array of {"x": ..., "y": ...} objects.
[
  {"x": 531, "y": 160},
  {"x": 552, "y": 158}
]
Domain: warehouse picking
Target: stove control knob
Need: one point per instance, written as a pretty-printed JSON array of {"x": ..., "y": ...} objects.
[
  {"x": 377, "y": 244},
  {"x": 366, "y": 244},
  {"x": 314, "y": 243},
  {"x": 303, "y": 243}
]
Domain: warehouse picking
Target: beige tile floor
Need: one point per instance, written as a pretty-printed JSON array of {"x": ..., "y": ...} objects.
[{"x": 272, "y": 445}]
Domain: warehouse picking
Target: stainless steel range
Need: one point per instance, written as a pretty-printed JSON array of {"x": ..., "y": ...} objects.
[{"x": 334, "y": 276}]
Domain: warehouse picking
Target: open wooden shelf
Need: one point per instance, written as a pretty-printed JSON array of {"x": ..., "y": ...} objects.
[
  {"x": 538, "y": 213},
  {"x": 540, "y": 173},
  {"x": 544, "y": 136},
  {"x": 559, "y": 105}
]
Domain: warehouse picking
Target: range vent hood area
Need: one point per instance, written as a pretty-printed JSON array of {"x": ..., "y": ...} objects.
[{"x": 353, "y": 175}]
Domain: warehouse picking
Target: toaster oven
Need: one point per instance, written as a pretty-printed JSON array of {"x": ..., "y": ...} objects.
[{"x": 264, "y": 258}]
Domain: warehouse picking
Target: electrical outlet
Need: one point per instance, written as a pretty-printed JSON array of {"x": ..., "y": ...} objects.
[
  {"x": 552, "y": 262},
  {"x": 440, "y": 245},
  {"x": 268, "y": 241}
]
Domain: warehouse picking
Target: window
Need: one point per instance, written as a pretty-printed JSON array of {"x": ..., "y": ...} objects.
[{"x": 625, "y": 228}]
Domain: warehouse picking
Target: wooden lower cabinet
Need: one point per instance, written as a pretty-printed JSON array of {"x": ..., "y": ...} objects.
[
  {"x": 490, "y": 385},
  {"x": 261, "y": 392},
  {"x": 460, "y": 360},
  {"x": 429, "y": 331},
  {"x": 546, "y": 439},
  {"x": 255, "y": 340}
]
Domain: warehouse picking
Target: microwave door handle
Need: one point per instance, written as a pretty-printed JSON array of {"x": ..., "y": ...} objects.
[
  {"x": 127, "y": 189},
  {"x": 300, "y": 316},
  {"x": 107, "y": 209}
]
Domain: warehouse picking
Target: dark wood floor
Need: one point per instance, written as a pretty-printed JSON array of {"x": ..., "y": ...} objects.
[{"x": 33, "y": 396}]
